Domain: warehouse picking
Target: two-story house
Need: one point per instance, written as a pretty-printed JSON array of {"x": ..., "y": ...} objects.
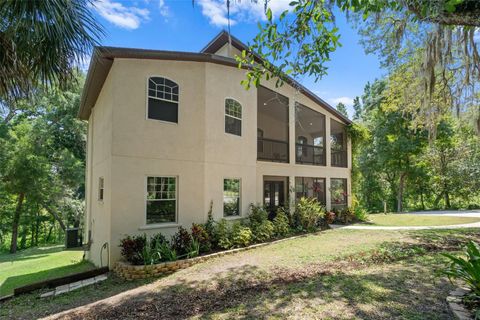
[{"x": 171, "y": 132}]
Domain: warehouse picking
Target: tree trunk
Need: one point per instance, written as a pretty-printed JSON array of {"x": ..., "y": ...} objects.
[
  {"x": 55, "y": 215},
  {"x": 422, "y": 199},
  {"x": 401, "y": 186},
  {"x": 16, "y": 220},
  {"x": 49, "y": 234},
  {"x": 447, "y": 199},
  {"x": 23, "y": 241}
]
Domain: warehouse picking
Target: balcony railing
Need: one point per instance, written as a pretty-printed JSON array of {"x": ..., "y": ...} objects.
[
  {"x": 339, "y": 158},
  {"x": 308, "y": 154},
  {"x": 272, "y": 150}
]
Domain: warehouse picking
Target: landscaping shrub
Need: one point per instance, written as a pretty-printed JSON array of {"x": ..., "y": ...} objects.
[
  {"x": 194, "y": 249},
  {"x": 259, "y": 224},
  {"x": 158, "y": 239},
  {"x": 150, "y": 252},
  {"x": 132, "y": 248},
  {"x": 308, "y": 213},
  {"x": 223, "y": 234},
  {"x": 281, "y": 226},
  {"x": 167, "y": 253},
  {"x": 329, "y": 217},
  {"x": 466, "y": 268},
  {"x": 200, "y": 234},
  {"x": 360, "y": 214},
  {"x": 241, "y": 235},
  {"x": 263, "y": 232},
  {"x": 210, "y": 228},
  {"x": 345, "y": 216},
  {"x": 181, "y": 241}
]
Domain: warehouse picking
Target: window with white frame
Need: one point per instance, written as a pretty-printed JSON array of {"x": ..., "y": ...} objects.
[
  {"x": 231, "y": 197},
  {"x": 233, "y": 117},
  {"x": 101, "y": 188},
  {"x": 162, "y": 99},
  {"x": 161, "y": 199}
]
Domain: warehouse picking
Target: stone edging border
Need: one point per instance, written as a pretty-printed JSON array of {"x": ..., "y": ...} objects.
[
  {"x": 455, "y": 304},
  {"x": 128, "y": 271}
]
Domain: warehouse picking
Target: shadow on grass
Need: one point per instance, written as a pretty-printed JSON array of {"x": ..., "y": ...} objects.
[
  {"x": 248, "y": 293},
  {"x": 10, "y": 283},
  {"x": 31, "y": 253}
]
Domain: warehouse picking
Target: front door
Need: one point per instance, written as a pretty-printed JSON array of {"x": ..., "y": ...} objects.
[{"x": 273, "y": 196}]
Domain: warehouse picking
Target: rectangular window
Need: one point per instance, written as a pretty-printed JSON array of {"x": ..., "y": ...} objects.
[
  {"x": 233, "y": 117},
  {"x": 161, "y": 199},
  {"x": 338, "y": 144},
  {"x": 100, "y": 188},
  {"x": 338, "y": 193},
  {"x": 310, "y": 136},
  {"x": 310, "y": 188},
  {"x": 231, "y": 197},
  {"x": 162, "y": 110}
]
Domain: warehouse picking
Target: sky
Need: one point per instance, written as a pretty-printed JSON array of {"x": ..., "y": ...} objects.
[{"x": 183, "y": 25}]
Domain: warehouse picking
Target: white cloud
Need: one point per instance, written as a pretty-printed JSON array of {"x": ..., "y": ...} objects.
[
  {"x": 345, "y": 100},
  {"x": 476, "y": 36},
  {"x": 164, "y": 9},
  {"x": 240, "y": 11},
  {"x": 120, "y": 15}
]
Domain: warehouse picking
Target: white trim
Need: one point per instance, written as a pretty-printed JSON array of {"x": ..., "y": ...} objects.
[
  {"x": 159, "y": 226},
  {"x": 240, "y": 215},
  {"x": 147, "y": 97},
  {"x": 145, "y": 198},
  {"x": 227, "y": 115}
]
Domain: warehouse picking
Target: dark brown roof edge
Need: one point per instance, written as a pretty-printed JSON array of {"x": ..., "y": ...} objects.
[{"x": 102, "y": 60}]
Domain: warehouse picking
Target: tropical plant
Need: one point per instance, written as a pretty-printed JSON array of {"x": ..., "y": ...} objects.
[
  {"x": 308, "y": 213},
  {"x": 132, "y": 248},
  {"x": 209, "y": 226},
  {"x": 466, "y": 268},
  {"x": 241, "y": 235},
  {"x": 63, "y": 31},
  {"x": 150, "y": 253},
  {"x": 345, "y": 215},
  {"x": 223, "y": 233},
  {"x": 194, "y": 249},
  {"x": 167, "y": 253},
  {"x": 281, "y": 226},
  {"x": 181, "y": 241},
  {"x": 262, "y": 232},
  {"x": 200, "y": 234}
]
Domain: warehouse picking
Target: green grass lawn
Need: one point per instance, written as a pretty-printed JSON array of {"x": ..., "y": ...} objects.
[
  {"x": 37, "y": 264},
  {"x": 397, "y": 220},
  {"x": 335, "y": 274}
]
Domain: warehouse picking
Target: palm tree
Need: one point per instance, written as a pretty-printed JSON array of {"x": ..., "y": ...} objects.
[{"x": 41, "y": 41}]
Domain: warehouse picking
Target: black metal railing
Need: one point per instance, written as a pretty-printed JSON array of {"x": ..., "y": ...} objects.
[
  {"x": 307, "y": 154},
  {"x": 339, "y": 158},
  {"x": 272, "y": 150}
]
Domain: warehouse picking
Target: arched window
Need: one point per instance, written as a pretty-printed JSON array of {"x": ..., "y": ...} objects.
[
  {"x": 233, "y": 117},
  {"x": 162, "y": 99}
]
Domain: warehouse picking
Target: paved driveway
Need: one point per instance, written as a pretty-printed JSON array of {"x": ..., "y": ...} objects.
[{"x": 451, "y": 213}]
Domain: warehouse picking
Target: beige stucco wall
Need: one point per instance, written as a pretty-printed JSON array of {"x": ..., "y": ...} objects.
[{"x": 126, "y": 147}]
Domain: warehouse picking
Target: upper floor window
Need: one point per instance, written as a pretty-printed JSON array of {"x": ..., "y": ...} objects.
[
  {"x": 233, "y": 117},
  {"x": 162, "y": 99},
  {"x": 338, "y": 144},
  {"x": 310, "y": 132}
]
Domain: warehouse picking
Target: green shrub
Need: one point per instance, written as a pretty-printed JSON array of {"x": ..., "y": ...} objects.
[
  {"x": 181, "y": 241},
  {"x": 210, "y": 227},
  {"x": 345, "y": 216},
  {"x": 132, "y": 248},
  {"x": 241, "y": 236},
  {"x": 194, "y": 249},
  {"x": 150, "y": 254},
  {"x": 263, "y": 232},
  {"x": 200, "y": 234},
  {"x": 257, "y": 215},
  {"x": 167, "y": 253},
  {"x": 223, "y": 234},
  {"x": 360, "y": 214},
  {"x": 466, "y": 269},
  {"x": 308, "y": 213},
  {"x": 281, "y": 226}
]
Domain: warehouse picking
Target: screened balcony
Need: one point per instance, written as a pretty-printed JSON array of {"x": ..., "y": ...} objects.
[
  {"x": 272, "y": 126},
  {"x": 338, "y": 144},
  {"x": 310, "y": 136}
]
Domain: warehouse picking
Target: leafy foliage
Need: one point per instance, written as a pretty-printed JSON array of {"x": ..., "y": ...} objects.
[
  {"x": 242, "y": 236},
  {"x": 200, "y": 235},
  {"x": 223, "y": 234},
  {"x": 132, "y": 248},
  {"x": 308, "y": 213},
  {"x": 281, "y": 225},
  {"x": 181, "y": 241},
  {"x": 466, "y": 269}
]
